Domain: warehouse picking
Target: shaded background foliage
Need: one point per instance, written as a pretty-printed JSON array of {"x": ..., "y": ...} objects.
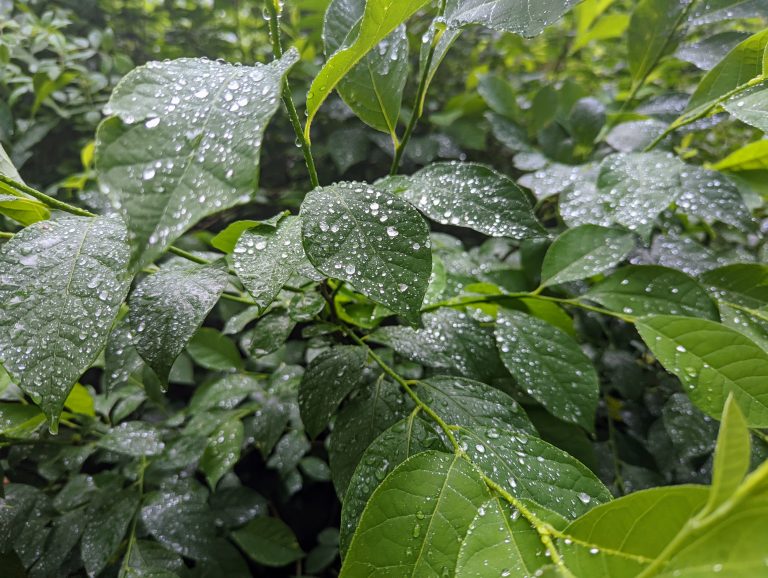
[{"x": 532, "y": 108}]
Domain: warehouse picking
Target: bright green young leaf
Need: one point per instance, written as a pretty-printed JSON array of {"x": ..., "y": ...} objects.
[
  {"x": 265, "y": 258},
  {"x": 222, "y": 451},
  {"x": 330, "y": 377},
  {"x": 550, "y": 366},
  {"x": 184, "y": 143},
  {"x": 107, "y": 522},
  {"x": 268, "y": 541},
  {"x": 212, "y": 350},
  {"x": 62, "y": 285},
  {"x": 19, "y": 420},
  {"x": 133, "y": 438},
  {"x": 711, "y": 361},
  {"x": 744, "y": 284},
  {"x": 753, "y": 156},
  {"x": 373, "y": 88},
  {"x": 226, "y": 239},
  {"x": 530, "y": 468},
  {"x": 398, "y": 443},
  {"x": 417, "y": 518},
  {"x": 651, "y": 290},
  {"x": 21, "y": 209},
  {"x": 584, "y": 251},
  {"x": 732, "y": 455},
  {"x": 607, "y": 27},
  {"x": 469, "y": 403},
  {"x": 380, "y": 18},
  {"x": 168, "y": 307},
  {"x": 500, "y": 542},
  {"x": 375, "y": 241},
  {"x": 650, "y": 35},
  {"x": 518, "y": 16},
  {"x": 470, "y": 195},
  {"x": 80, "y": 400}
]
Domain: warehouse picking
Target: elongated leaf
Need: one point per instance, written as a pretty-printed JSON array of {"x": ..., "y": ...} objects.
[
  {"x": 212, "y": 350},
  {"x": 168, "y": 307},
  {"x": 751, "y": 106},
  {"x": 21, "y": 209},
  {"x": 375, "y": 241},
  {"x": 470, "y": 195},
  {"x": 706, "y": 53},
  {"x": 416, "y": 519},
  {"x": 550, "y": 366},
  {"x": 652, "y": 289},
  {"x": 530, "y": 468},
  {"x": 7, "y": 167},
  {"x": 373, "y": 88},
  {"x": 525, "y": 17},
  {"x": 469, "y": 403},
  {"x": 500, "y": 544},
  {"x": 650, "y": 35},
  {"x": 584, "y": 251},
  {"x": 265, "y": 258},
  {"x": 184, "y": 143},
  {"x": 107, "y": 523},
  {"x": 222, "y": 451},
  {"x": 60, "y": 291},
  {"x": 269, "y": 541},
  {"x": 395, "y": 445},
  {"x": 133, "y": 438},
  {"x": 379, "y": 19},
  {"x": 224, "y": 393},
  {"x": 330, "y": 377},
  {"x": 711, "y": 361},
  {"x": 732, "y": 455},
  {"x": 744, "y": 284},
  {"x": 753, "y": 156}
]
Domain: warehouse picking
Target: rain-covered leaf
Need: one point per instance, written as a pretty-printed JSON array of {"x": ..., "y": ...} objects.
[
  {"x": 222, "y": 451},
  {"x": 712, "y": 197},
  {"x": 651, "y": 289},
  {"x": 107, "y": 522},
  {"x": 417, "y": 518},
  {"x": 184, "y": 142},
  {"x": 744, "y": 284},
  {"x": 329, "y": 378},
  {"x": 168, "y": 307},
  {"x": 370, "y": 238},
  {"x": 224, "y": 393},
  {"x": 523, "y": 17},
  {"x": 378, "y": 20},
  {"x": 268, "y": 541},
  {"x": 470, "y": 195},
  {"x": 711, "y": 361},
  {"x": 530, "y": 468},
  {"x": 266, "y": 257},
  {"x": 550, "y": 366},
  {"x": 60, "y": 291},
  {"x": 133, "y": 438},
  {"x": 751, "y": 106},
  {"x": 19, "y": 420},
  {"x": 373, "y": 88},
  {"x": 584, "y": 251},
  {"x": 706, "y": 53}
]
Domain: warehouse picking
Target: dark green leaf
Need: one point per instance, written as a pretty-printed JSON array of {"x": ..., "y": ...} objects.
[
  {"x": 518, "y": 16},
  {"x": 212, "y": 350},
  {"x": 222, "y": 451},
  {"x": 268, "y": 541},
  {"x": 133, "y": 438},
  {"x": 107, "y": 523}
]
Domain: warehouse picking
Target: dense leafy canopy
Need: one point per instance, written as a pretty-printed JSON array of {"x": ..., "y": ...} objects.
[{"x": 506, "y": 315}]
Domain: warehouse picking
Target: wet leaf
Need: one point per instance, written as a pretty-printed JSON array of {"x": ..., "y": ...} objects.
[{"x": 518, "y": 16}]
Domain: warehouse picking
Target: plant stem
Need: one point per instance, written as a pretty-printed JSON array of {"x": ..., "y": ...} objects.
[
  {"x": 293, "y": 115},
  {"x": 6, "y": 235},
  {"x": 46, "y": 199},
  {"x": 188, "y": 256}
]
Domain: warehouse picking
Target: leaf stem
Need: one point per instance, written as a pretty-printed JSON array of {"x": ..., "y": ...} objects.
[
  {"x": 293, "y": 115},
  {"x": 6, "y": 235},
  {"x": 46, "y": 199}
]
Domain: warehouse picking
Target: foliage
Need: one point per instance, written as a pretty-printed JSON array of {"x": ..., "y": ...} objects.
[{"x": 484, "y": 324}]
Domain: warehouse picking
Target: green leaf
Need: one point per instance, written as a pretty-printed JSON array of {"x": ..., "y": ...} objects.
[
  {"x": 586, "y": 119},
  {"x": 224, "y": 393},
  {"x": 706, "y": 53},
  {"x": 226, "y": 239},
  {"x": 80, "y": 401},
  {"x": 395, "y": 445},
  {"x": 107, "y": 522},
  {"x": 222, "y": 451},
  {"x": 621, "y": 538},
  {"x": 500, "y": 543},
  {"x": 753, "y": 156},
  {"x": 744, "y": 284},
  {"x": 330, "y": 377},
  {"x": 550, "y": 366},
  {"x": 18, "y": 420},
  {"x": 271, "y": 332},
  {"x": 711, "y": 361},
  {"x": 469, "y": 403},
  {"x": 652, "y": 289},
  {"x": 470, "y": 195},
  {"x": 417, "y": 518},
  {"x": 650, "y": 35},
  {"x": 21, "y": 209},
  {"x": 732, "y": 455},
  {"x": 184, "y": 143},
  {"x": 133, "y": 438},
  {"x": 711, "y": 197},
  {"x": 7, "y": 167},
  {"x": 373, "y": 88},
  {"x": 148, "y": 559},
  {"x": 751, "y": 106},
  {"x": 268, "y": 541},
  {"x": 62, "y": 285},
  {"x": 265, "y": 258},
  {"x": 168, "y": 307},
  {"x": 380, "y": 18},
  {"x": 584, "y": 251},
  {"x": 375, "y": 241},
  {"x": 212, "y": 350},
  {"x": 518, "y": 16},
  {"x": 234, "y": 506},
  {"x": 531, "y": 469},
  {"x": 450, "y": 341}
]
